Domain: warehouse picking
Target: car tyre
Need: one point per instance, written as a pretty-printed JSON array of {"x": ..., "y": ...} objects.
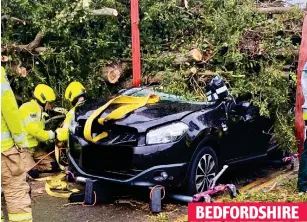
[{"x": 202, "y": 170}]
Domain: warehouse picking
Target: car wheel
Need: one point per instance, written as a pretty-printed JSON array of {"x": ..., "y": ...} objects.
[{"x": 203, "y": 169}]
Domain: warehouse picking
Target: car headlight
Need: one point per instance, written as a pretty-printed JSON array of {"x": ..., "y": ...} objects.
[{"x": 166, "y": 134}]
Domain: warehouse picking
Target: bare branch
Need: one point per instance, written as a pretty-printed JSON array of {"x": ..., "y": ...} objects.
[
  {"x": 40, "y": 49},
  {"x": 32, "y": 46},
  {"x": 14, "y": 19}
]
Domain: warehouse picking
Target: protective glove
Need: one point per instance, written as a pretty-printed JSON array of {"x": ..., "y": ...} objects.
[{"x": 61, "y": 134}]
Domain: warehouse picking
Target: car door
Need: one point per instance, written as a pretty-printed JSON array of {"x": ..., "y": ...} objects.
[
  {"x": 236, "y": 139},
  {"x": 259, "y": 131},
  {"x": 250, "y": 130}
]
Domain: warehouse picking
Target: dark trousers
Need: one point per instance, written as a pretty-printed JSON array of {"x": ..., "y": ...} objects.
[{"x": 302, "y": 174}]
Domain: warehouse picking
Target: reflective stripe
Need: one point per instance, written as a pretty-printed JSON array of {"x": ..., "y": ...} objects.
[
  {"x": 20, "y": 217},
  {"x": 215, "y": 96},
  {"x": 71, "y": 112},
  {"x": 209, "y": 98},
  {"x": 29, "y": 119},
  {"x": 19, "y": 138},
  {"x": 5, "y": 135},
  {"x": 4, "y": 87},
  {"x": 222, "y": 89},
  {"x": 208, "y": 93},
  {"x": 66, "y": 125}
]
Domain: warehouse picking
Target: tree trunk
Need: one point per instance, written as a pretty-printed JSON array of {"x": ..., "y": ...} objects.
[
  {"x": 112, "y": 73},
  {"x": 193, "y": 55}
]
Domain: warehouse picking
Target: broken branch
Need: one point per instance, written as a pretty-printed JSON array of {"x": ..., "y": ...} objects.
[
  {"x": 193, "y": 55},
  {"x": 32, "y": 46},
  {"x": 14, "y": 19},
  {"x": 105, "y": 11}
]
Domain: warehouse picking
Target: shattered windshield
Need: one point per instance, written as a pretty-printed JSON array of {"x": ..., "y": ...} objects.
[
  {"x": 147, "y": 91},
  {"x": 140, "y": 91}
]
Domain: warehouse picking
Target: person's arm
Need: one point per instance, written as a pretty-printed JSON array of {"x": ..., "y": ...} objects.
[
  {"x": 62, "y": 133},
  {"x": 10, "y": 112}
]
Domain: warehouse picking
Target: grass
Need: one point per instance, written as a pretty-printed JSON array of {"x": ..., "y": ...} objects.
[
  {"x": 161, "y": 217},
  {"x": 285, "y": 192}
]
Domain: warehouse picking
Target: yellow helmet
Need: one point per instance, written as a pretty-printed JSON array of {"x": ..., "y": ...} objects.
[
  {"x": 44, "y": 93},
  {"x": 74, "y": 90}
]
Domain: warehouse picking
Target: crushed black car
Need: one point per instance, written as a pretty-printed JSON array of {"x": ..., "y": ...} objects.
[{"x": 173, "y": 143}]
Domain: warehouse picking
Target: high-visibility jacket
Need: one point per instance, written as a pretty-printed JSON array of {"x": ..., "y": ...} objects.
[
  {"x": 34, "y": 121},
  {"x": 12, "y": 131},
  {"x": 304, "y": 89}
]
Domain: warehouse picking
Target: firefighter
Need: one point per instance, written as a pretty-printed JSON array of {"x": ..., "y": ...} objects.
[
  {"x": 75, "y": 93},
  {"x": 13, "y": 145},
  {"x": 302, "y": 175},
  {"x": 33, "y": 116}
]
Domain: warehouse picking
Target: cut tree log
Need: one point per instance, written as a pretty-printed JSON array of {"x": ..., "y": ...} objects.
[
  {"x": 112, "y": 73},
  {"x": 19, "y": 70},
  {"x": 274, "y": 10},
  {"x": 193, "y": 55}
]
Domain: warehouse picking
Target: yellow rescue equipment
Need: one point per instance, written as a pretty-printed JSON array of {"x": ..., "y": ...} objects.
[
  {"x": 58, "y": 187},
  {"x": 130, "y": 104}
]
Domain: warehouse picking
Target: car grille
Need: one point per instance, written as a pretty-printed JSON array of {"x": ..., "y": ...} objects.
[
  {"x": 117, "y": 135},
  {"x": 112, "y": 161}
]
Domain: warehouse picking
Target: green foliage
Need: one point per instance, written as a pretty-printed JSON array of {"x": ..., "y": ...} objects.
[{"x": 234, "y": 40}]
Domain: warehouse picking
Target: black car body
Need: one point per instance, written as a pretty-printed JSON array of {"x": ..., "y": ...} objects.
[{"x": 218, "y": 133}]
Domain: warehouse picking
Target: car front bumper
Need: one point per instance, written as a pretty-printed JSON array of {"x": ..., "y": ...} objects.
[
  {"x": 146, "y": 178},
  {"x": 130, "y": 164}
]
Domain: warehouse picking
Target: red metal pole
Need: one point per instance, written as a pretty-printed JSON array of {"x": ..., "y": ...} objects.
[
  {"x": 135, "y": 32},
  {"x": 299, "y": 122}
]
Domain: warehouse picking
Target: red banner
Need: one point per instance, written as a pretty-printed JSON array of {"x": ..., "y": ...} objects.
[{"x": 247, "y": 212}]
